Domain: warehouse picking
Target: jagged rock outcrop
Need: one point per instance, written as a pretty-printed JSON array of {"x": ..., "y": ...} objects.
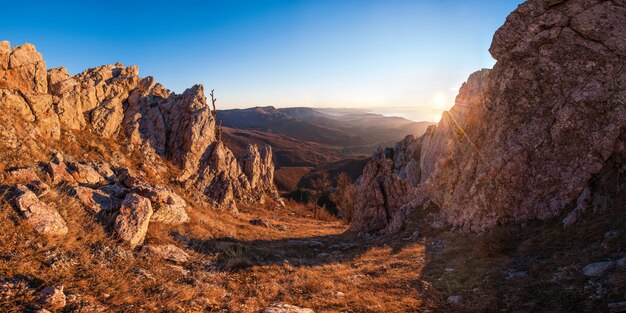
[
  {"x": 524, "y": 139},
  {"x": 220, "y": 177},
  {"x": 114, "y": 102},
  {"x": 382, "y": 194}
]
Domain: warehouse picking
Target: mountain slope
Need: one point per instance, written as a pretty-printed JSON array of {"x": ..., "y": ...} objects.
[{"x": 307, "y": 139}]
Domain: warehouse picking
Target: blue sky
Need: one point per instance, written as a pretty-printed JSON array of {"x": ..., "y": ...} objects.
[{"x": 385, "y": 55}]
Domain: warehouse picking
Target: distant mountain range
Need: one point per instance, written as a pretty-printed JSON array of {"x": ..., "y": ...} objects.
[{"x": 309, "y": 140}]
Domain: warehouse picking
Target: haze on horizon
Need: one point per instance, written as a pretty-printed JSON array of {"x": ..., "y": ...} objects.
[{"x": 405, "y": 58}]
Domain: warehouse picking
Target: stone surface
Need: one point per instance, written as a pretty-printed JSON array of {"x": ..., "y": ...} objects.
[
  {"x": 383, "y": 198},
  {"x": 524, "y": 139},
  {"x": 97, "y": 200},
  {"x": 286, "y": 308},
  {"x": 598, "y": 268},
  {"x": 113, "y": 102},
  {"x": 166, "y": 252},
  {"x": 220, "y": 177},
  {"x": 44, "y": 218},
  {"x": 85, "y": 174},
  {"x": 58, "y": 171},
  {"x": 131, "y": 223},
  {"x": 52, "y": 298},
  {"x": 25, "y": 71},
  {"x": 169, "y": 208}
]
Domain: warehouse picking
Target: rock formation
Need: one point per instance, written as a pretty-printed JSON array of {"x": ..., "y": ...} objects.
[
  {"x": 524, "y": 138},
  {"x": 131, "y": 224},
  {"x": 113, "y": 102},
  {"x": 43, "y": 217}
]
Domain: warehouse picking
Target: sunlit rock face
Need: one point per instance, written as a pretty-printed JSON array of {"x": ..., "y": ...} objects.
[
  {"x": 114, "y": 102},
  {"x": 524, "y": 139}
]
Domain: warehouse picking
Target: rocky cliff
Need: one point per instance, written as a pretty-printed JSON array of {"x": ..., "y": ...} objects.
[
  {"x": 41, "y": 110},
  {"x": 525, "y": 138}
]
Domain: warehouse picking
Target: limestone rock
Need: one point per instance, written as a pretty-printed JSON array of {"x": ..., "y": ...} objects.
[
  {"x": 58, "y": 171},
  {"x": 85, "y": 174},
  {"x": 102, "y": 89},
  {"x": 258, "y": 167},
  {"x": 5, "y": 54},
  {"x": 169, "y": 208},
  {"x": 97, "y": 200},
  {"x": 131, "y": 224},
  {"x": 26, "y": 70},
  {"x": 52, "y": 298},
  {"x": 112, "y": 101},
  {"x": 524, "y": 139},
  {"x": 166, "y": 252},
  {"x": 286, "y": 308},
  {"x": 13, "y": 102},
  {"x": 220, "y": 177},
  {"x": 44, "y": 218},
  {"x": 382, "y": 194}
]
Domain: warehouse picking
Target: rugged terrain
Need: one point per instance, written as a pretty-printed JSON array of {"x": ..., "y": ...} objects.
[
  {"x": 119, "y": 195},
  {"x": 308, "y": 142}
]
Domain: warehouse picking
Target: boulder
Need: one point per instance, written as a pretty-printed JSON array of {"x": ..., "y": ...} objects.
[
  {"x": 169, "y": 208},
  {"x": 58, "y": 171},
  {"x": 97, "y": 200},
  {"x": 166, "y": 252},
  {"x": 52, "y": 297},
  {"x": 85, "y": 174},
  {"x": 44, "y": 218},
  {"x": 131, "y": 223}
]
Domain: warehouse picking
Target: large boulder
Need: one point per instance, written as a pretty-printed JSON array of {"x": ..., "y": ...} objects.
[
  {"x": 169, "y": 208},
  {"x": 43, "y": 217},
  {"x": 131, "y": 223}
]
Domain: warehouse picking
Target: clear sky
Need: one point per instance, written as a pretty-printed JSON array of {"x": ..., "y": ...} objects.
[{"x": 386, "y": 55}]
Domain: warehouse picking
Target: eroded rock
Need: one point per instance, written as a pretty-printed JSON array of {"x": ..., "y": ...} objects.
[
  {"x": 52, "y": 297},
  {"x": 44, "y": 218},
  {"x": 131, "y": 223}
]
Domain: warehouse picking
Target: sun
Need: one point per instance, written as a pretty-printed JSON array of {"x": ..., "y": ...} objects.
[{"x": 440, "y": 101}]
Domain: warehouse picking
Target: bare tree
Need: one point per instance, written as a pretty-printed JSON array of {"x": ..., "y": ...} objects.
[
  {"x": 344, "y": 196},
  {"x": 319, "y": 186},
  {"x": 218, "y": 128}
]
